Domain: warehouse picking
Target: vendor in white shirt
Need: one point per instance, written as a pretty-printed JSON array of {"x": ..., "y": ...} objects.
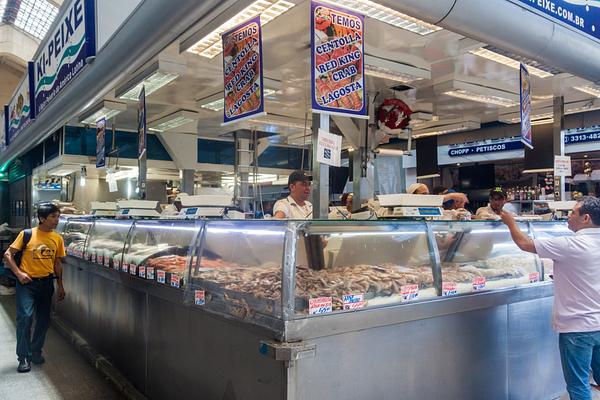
[
  {"x": 296, "y": 205},
  {"x": 493, "y": 211}
]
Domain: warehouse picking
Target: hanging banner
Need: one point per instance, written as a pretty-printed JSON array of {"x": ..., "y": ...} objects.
[
  {"x": 142, "y": 143},
  {"x": 242, "y": 72},
  {"x": 337, "y": 61},
  {"x": 582, "y": 15},
  {"x": 21, "y": 110},
  {"x": 525, "y": 94},
  {"x": 64, "y": 54},
  {"x": 101, "y": 143},
  {"x": 329, "y": 148}
]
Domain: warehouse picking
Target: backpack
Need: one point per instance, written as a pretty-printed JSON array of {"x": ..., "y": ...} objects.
[{"x": 19, "y": 254}]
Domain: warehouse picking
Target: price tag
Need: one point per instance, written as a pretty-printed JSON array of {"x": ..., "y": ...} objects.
[
  {"x": 150, "y": 273},
  {"x": 132, "y": 269},
  {"x": 320, "y": 305},
  {"x": 479, "y": 283},
  {"x": 93, "y": 257},
  {"x": 199, "y": 297},
  {"x": 534, "y": 277},
  {"x": 125, "y": 267},
  {"x": 353, "y": 301},
  {"x": 175, "y": 280},
  {"x": 160, "y": 276},
  {"x": 100, "y": 259},
  {"x": 409, "y": 292},
  {"x": 142, "y": 271},
  {"x": 449, "y": 289},
  {"x": 107, "y": 261}
]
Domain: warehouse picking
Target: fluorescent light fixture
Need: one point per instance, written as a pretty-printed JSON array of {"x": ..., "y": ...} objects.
[
  {"x": 384, "y": 73},
  {"x": 282, "y": 123},
  {"x": 429, "y": 176},
  {"x": 546, "y": 113},
  {"x": 589, "y": 89},
  {"x": 449, "y": 128},
  {"x": 387, "y": 15},
  {"x": 480, "y": 98},
  {"x": 216, "y": 102},
  {"x": 159, "y": 74},
  {"x": 543, "y": 121},
  {"x": 105, "y": 109},
  {"x": 174, "y": 120},
  {"x": 122, "y": 174},
  {"x": 210, "y": 45},
  {"x": 63, "y": 171},
  {"x": 509, "y": 62},
  {"x": 260, "y": 178},
  {"x": 537, "y": 171}
]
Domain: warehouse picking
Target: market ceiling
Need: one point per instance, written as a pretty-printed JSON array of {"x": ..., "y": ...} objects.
[{"x": 443, "y": 62}]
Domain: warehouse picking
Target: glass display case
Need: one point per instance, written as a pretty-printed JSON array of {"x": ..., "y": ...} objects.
[
  {"x": 346, "y": 266},
  {"x": 240, "y": 267},
  {"x": 546, "y": 230},
  {"x": 161, "y": 250},
  {"x": 479, "y": 255},
  {"x": 106, "y": 242},
  {"x": 75, "y": 234}
]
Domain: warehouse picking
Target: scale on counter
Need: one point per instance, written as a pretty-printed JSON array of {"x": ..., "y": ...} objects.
[
  {"x": 410, "y": 206},
  {"x": 137, "y": 209},
  {"x": 209, "y": 206},
  {"x": 104, "y": 208}
]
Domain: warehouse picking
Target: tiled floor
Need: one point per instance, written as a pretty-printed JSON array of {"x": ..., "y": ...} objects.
[{"x": 66, "y": 374}]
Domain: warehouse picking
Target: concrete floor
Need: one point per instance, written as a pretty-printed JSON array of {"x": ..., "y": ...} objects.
[{"x": 65, "y": 375}]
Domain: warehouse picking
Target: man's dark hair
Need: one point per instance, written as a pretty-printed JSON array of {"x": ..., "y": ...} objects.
[
  {"x": 438, "y": 190},
  {"x": 590, "y": 205},
  {"x": 44, "y": 210}
]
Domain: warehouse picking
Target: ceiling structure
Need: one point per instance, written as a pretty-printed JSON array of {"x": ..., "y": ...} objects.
[
  {"x": 31, "y": 16},
  {"x": 452, "y": 80}
]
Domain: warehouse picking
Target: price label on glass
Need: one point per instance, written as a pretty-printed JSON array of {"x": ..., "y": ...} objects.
[
  {"x": 534, "y": 277},
  {"x": 175, "y": 280},
  {"x": 409, "y": 292},
  {"x": 160, "y": 276},
  {"x": 478, "y": 283},
  {"x": 100, "y": 259},
  {"x": 449, "y": 289},
  {"x": 116, "y": 264},
  {"x": 150, "y": 273},
  {"x": 132, "y": 269},
  {"x": 320, "y": 305},
  {"x": 125, "y": 267},
  {"x": 199, "y": 297},
  {"x": 353, "y": 301},
  {"x": 107, "y": 261},
  {"x": 142, "y": 271}
]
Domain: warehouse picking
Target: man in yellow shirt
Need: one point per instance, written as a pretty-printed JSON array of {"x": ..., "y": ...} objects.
[{"x": 40, "y": 265}]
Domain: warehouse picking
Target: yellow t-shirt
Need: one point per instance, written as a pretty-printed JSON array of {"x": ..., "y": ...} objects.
[{"x": 41, "y": 251}]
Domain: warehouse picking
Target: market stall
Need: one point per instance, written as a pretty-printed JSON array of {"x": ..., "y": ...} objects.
[{"x": 318, "y": 309}]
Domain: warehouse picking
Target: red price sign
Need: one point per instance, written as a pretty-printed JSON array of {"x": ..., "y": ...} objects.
[
  {"x": 409, "y": 292},
  {"x": 175, "y": 280},
  {"x": 479, "y": 283},
  {"x": 161, "y": 276},
  {"x": 320, "y": 305},
  {"x": 449, "y": 289}
]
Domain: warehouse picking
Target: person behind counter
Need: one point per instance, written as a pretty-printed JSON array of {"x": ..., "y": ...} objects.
[
  {"x": 493, "y": 211},
  {"x": 296, "y": 205},
  {"x": 421, "y": 188},
  {"x": 576, "y": 311}
]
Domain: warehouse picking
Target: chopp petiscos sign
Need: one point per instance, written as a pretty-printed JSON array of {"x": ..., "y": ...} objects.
[{"x": 64, "y": 52}]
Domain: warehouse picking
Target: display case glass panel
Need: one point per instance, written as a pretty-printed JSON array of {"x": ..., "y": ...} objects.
[
  {"x": 547, "y": 230},
  {"x": 240, "y": 267},
  {"x": 162, "y": 249},
  {"x": 344, "y": 266},
  {"x": 480, "y": 255},
  {"x": 106, "y": 241},
  {"x": 75, "y": 233}
]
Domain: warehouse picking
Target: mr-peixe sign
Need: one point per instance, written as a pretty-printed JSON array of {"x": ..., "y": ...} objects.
[{"x": 64, "y": 52}]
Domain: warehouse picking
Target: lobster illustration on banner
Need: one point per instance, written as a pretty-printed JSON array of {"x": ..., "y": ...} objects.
[{"x": 393, "y": 116}]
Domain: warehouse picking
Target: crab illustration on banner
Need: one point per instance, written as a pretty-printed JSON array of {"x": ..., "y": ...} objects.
[
  {"x": 337, "y": 61},
  {"x": 242, "y": 72}
]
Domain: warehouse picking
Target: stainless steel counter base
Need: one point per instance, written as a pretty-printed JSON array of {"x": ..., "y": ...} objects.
[{"x": 483, "y": 346}]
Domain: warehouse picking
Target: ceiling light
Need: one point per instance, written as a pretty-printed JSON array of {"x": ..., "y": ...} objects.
[
  {"x": 502, "y": 59},
  {"x": 589, "y": 89},
  {"x": 172, "y": 121},
  {"x": 384, "y": 73},
  {"x": 105, "y": 109},
  {"x": 480, "y": 98},
  {"x": 217, "y": 103},
  {"x": 444, "y": 129},
  {"x": 282, "y": 123},
  {"x": 159, "y": 74},
  {"x": 387, "y": 15},
  {"x": 210, "y": 45}
]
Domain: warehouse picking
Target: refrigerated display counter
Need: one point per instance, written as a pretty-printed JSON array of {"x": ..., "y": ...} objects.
[{"x": 316, "y": 309}]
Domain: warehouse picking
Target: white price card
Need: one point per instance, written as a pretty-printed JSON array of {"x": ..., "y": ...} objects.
[
  {"x": 132, "y": 269},
  {"x": 160, "y": 276},
  {"x": 199, "y": 297},
  {"x": 534, "y": 277},
  {"x": 150, "y": 273},
  {"x": 142, "y": 271},
  {"x": 562, "y": 165},
  {"x": 125, "y": 267},
  {"x": 175, "y": 280},
  {"x": 479, "y": 283},
  {"x": 449, "y": 288},
  {"x": 353, "y": 301},
  {"x": 320, "y": 305},
  {"x": 409, "y": 292}
]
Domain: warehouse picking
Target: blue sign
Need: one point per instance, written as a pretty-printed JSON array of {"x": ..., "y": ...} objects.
[
  {"x": 65, "y": 51},
  {"x": 583, "y": 15},
  {"x": 582, "y": 137},
  {"x": 486, "y": 148}
]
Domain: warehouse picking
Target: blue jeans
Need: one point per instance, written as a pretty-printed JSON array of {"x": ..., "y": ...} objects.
[
  {"x": 580, "y": 352},
  {"x": 34, "y": 298}
]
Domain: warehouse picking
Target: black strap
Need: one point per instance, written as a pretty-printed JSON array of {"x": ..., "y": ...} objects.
[{"x": 26, "y": 238}]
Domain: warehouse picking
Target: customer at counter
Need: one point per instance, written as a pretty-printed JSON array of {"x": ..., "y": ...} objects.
[
  {"x": 576, "y": 312},
  {"x": 296, "y": 205},
  {"x": 497, "y": 203},
  {"x": 421, "y": 188}
]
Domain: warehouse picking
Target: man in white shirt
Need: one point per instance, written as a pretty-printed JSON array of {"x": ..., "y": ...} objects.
[
  {"x": 296, "y": 205},
  {"x": 576, "y": 314}
]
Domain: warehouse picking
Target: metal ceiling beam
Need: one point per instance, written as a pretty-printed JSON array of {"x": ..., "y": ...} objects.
[{"x": 148, "y": 30}]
